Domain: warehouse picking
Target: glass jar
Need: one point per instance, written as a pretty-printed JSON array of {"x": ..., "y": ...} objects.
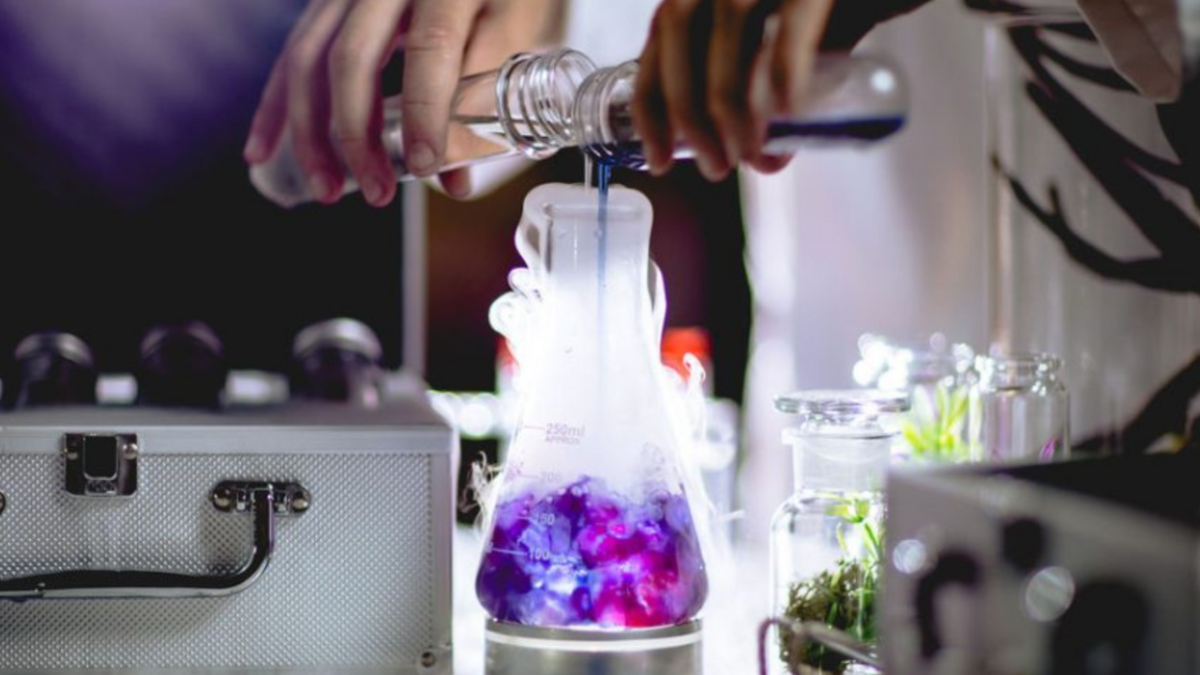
[
  {"x": 826, "y": 540},
  {"x": 1018, "y": 409}
]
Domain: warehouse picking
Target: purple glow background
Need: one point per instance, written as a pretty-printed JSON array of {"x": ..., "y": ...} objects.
[{"x": 125, "y": 96}]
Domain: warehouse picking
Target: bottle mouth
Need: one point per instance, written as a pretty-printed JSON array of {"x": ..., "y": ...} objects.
[
  {"x": 535, "y": 95},
  {"x": 603, "y": 116},
  {"x": 1018, "y": 369}
]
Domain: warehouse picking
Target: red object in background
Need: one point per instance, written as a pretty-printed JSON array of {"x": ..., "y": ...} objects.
[
  {"x": 679, "y": 342},
  {"x": 506, "y": 365}
]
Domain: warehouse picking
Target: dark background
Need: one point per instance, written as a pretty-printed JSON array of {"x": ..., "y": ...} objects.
[{"x": 125, "y": 197}]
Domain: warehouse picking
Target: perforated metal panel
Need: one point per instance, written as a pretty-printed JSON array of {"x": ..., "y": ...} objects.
[{"x": 351, "y": 582}]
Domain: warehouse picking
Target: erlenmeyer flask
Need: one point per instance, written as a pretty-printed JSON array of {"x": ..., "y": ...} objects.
[{"x": 591, "y": 526}]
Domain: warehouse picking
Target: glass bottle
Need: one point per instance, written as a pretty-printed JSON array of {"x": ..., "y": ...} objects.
[
  {"x": 52, "y": 368},
  {"x": 537, "y": 104},
  {"x": 590, "y": 526},
  {"x": 1018, "y": 409},
  {"x": 826, "y": 540}
]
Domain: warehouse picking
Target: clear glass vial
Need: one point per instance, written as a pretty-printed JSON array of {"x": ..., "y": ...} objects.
[
  {"x": 1018, "y": 409},
  {"x": 826, "y": 540}
]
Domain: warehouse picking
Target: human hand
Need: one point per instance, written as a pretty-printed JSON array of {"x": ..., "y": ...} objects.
[
  {"x": 325, "y": 86},
  {"x": 714, "y": 72}
]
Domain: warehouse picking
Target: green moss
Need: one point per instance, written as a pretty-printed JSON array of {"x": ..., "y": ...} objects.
[{"x": 843, "y": 597}]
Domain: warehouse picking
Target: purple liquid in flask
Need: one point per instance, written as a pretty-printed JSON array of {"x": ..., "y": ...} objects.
[{"x": 586, "y": 556}]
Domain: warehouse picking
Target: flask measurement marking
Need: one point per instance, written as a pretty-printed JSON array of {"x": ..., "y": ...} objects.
[
  {"x": 542, "y": 519},
  {"x": 508, "y": 552},
  {"x": 564, "y": 434}
]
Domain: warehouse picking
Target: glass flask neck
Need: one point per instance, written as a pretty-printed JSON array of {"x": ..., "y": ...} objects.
[
  {"x": 1018, "y": 371},
  {"x": 596, "y": 276},
  {"x": 594, "y": 352}
]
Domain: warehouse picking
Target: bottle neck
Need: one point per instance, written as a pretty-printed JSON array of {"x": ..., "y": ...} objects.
[
  {"x": 603, "y": 116},
  {"x": 534, "y": 99},
  {"x": 1015, "y": 372}
]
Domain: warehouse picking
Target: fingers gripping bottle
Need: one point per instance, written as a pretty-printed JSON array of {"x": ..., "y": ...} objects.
[{"x": 590, "y": 536}]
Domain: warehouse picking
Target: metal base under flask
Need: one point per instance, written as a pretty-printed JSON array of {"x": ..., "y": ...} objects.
[{"x": 527, "y": 650}]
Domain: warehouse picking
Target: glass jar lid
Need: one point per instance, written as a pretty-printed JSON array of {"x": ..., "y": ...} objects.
[{"x": 842, "y": 403}]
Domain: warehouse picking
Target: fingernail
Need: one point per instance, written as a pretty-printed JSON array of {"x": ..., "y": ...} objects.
[
  {"x": 421, "y": 159},
  {"x": 373, "y": 190},
  {"x": 320, "y": 187},
  {"x": 255, "y": 149}
]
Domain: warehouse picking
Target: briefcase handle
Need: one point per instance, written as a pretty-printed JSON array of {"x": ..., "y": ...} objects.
[{"x": 261, "y": 498}]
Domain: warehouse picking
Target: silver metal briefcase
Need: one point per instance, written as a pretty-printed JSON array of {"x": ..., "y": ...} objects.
[{"x": 308, "y": 538}]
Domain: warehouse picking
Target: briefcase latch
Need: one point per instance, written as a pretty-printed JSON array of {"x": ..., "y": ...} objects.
[{"x": 101, "y": 465}]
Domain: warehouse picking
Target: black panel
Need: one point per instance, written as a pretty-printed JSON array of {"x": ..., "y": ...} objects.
[{"x": 1159, "y": 484}]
